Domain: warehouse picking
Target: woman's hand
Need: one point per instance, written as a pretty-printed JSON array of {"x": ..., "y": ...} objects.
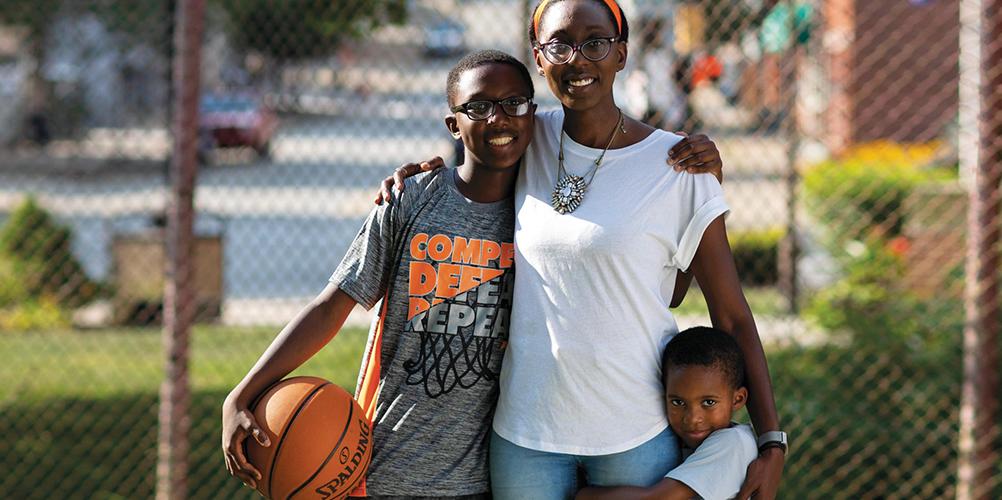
[
  {"x": 238, "y": 424},
  {"x": 764, "y": 473},
  {"x": 402, "y": 172},
  {"x": 696, "y": 154}
]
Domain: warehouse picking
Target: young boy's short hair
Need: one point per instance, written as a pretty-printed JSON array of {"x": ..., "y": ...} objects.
[
  {"x": 480, "y": 58},
  {"x": 705, "y": 346}
]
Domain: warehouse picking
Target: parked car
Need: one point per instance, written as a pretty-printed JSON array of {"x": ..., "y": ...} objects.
[
  {"x": 235, "y": 120},
  {"x": 444, "y": 37}
]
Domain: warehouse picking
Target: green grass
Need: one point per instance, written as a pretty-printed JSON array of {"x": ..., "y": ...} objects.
[
  {"x": 79, "y": 414},
  {"x": 110, "y": 363},
  {"x": 79, "y": 409}
]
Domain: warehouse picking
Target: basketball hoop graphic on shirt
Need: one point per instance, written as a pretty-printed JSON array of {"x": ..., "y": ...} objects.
[
  {"x": 450, "y": 361},
  {"x": 460, "y": 311},
  {"x": 461, "y": 340}
]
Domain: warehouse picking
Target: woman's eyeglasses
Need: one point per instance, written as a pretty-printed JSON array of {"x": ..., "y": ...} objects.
[
  {"x": 593, "y": 50},
  {"x": 482, "y": 110}
]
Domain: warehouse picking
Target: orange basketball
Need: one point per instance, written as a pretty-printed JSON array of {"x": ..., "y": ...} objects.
[{"x": 321, "y": 442}]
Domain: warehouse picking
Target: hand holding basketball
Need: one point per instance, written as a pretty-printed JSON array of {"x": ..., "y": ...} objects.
[
  {"x": 238, "y": 424},
  {"x": 312, "y": 439}
]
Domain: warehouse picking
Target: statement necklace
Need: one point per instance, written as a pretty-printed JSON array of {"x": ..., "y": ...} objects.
[{"x": 570, "y": 189}]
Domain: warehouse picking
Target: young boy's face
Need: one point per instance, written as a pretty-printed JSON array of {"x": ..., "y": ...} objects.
[
  {"x": 500, "y": 140},
  {"x": 700, "y": 400}
]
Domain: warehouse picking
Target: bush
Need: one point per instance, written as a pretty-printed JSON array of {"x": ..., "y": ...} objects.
[
  {"x": 895, "y": 363},
  {"x": 35, "y": 241},
  {"x": 33, "y": 314},
  {"x": 12, "y": 288},
  {"x": 861, "y": 194},
  {"x": 756, "y": 255},
  {"x": 859, "y": 200},
  {"x": 870, "y": 306},
  {"x": 867, "y": 424},
  {"x": 19, "y": 310}
]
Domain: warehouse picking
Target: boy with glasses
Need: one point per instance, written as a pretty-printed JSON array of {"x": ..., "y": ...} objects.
[{"x": 439, "y": 257}]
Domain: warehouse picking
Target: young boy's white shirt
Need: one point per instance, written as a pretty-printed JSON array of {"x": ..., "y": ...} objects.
[{"x": 716, "y": 469}]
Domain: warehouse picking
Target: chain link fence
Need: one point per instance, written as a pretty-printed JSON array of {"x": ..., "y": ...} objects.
[{"x": 849, "y": 133}]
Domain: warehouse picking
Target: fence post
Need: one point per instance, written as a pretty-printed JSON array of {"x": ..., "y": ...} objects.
[
  {"x": 970, "y": 78},
  {"x": 979, "y": 410},
  {"x": 179, "y": 298},
  {"x": 788, "y": 248}
]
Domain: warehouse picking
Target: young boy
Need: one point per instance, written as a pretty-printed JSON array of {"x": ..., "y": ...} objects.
[
  {"x": 703, "y": 374},
  {"x": 440, "y": 259}
]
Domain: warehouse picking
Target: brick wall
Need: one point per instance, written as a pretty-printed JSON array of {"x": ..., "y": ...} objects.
[{"x": 893, "y": 66}]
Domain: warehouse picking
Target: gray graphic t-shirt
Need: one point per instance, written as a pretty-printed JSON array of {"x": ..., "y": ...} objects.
[{"x": 429, "y": 376}]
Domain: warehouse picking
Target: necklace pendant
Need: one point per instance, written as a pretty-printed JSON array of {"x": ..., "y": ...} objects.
[{"x": 568, "y": 194}]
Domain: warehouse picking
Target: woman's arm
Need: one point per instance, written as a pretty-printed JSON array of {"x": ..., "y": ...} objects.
[
  {"x": 306, "y": 334},
  {"x": 696, "y": 154},
  {"x": 713, "y": 267}
]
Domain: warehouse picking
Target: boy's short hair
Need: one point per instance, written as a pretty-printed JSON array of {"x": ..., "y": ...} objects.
[
  {"x": 705, "y": 346},
  {"x": 481, "y": 58}
]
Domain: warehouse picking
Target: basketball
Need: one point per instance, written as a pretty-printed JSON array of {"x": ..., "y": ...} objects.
[{"x": 321, "y": 442}]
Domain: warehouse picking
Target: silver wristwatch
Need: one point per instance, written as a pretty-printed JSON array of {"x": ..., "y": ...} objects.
[{"x": 773, "y": 439}]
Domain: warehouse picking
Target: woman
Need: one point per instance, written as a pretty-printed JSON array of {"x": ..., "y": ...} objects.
[{"x": 602, "y": 232}]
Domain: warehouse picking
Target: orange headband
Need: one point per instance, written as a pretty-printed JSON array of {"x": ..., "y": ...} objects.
[{"x": 613, "y": 6}]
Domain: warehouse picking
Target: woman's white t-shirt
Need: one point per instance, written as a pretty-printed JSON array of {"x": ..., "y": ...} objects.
[{"x": 590, "y": 317}]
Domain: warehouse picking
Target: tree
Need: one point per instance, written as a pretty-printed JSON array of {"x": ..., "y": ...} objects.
[
  {"x": 132, "y": 18},
  {"x": 294, "y": 29}
]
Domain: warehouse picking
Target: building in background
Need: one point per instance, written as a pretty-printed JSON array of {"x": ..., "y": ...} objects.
[{"x": 892, "y": 69}]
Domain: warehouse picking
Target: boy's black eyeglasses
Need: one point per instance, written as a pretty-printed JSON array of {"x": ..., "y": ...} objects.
[
  {"x": 593, "y": 50},
  {"x": 482, "y": 110}
]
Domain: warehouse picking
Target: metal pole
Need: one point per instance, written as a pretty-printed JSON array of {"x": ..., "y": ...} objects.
[
  {"x": 788, "y": 251},
  {"x": 979, "y": 410},
  {"x": 970, "y": 78},
  {"x": 175, "y": 396}
]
